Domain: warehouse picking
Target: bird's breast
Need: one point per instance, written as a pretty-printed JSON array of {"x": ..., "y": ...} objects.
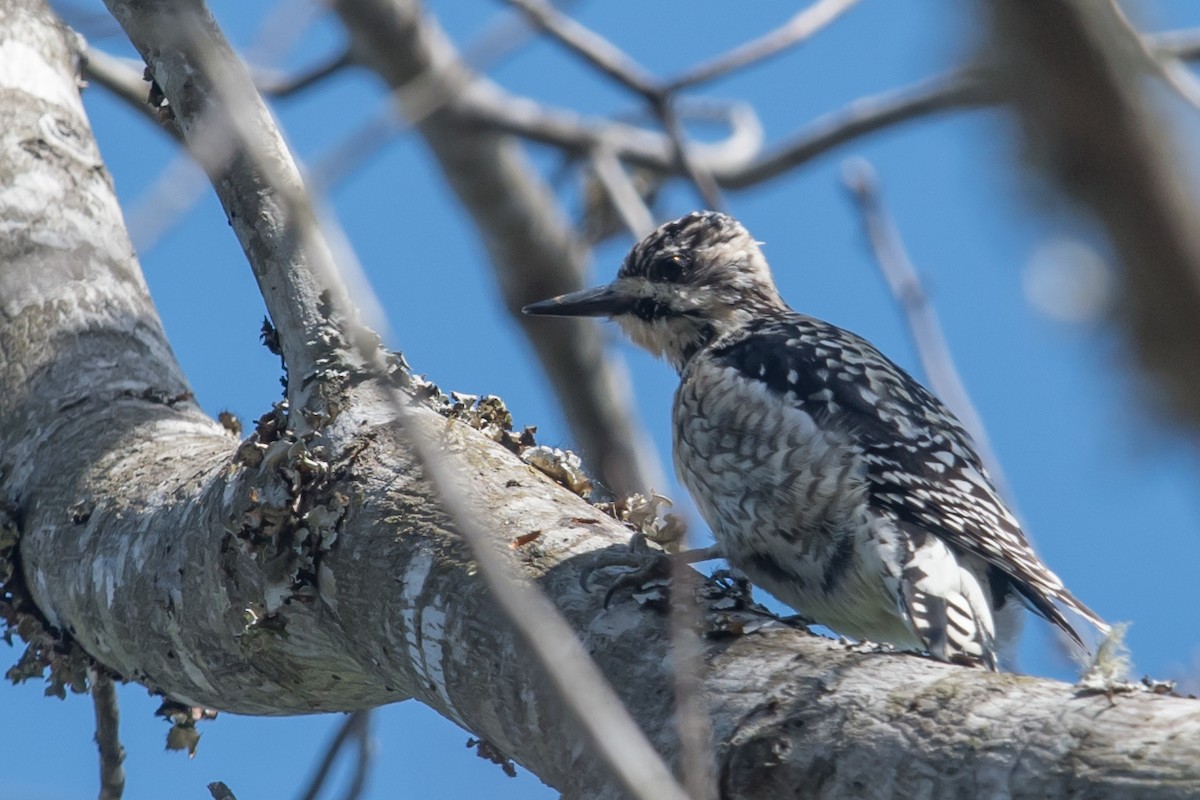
[{"x": 762, "y": 471}]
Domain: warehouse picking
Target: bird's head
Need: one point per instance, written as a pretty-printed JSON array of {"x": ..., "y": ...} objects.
[{"x": 682, "y": 286}]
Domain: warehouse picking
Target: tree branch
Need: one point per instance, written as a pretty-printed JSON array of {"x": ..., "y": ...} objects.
[
  {"x": 533, "y": 249},
  {"x": 219, "y": 113},
  {"x": 108, "y": 736},
  {"x": 1074, "y": 74},
  {"x": 919, "y": 314},
  {"x": 800, "y": 28},
  {"x": 284, "y": 575},
  {"x": 356, "y": 727}
]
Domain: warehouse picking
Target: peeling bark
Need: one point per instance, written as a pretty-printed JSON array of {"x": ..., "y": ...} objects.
[{"x": 292, "y": 574}]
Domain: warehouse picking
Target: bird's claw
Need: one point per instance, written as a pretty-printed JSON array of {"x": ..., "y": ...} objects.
[
  {"x": 641, "y": 561},
  {"x": 644, "y": 564}
]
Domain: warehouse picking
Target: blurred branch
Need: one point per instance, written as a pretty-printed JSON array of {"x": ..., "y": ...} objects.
[
  {"x": 798, "y": 29},
  {"x": 281, "y": 84},
  {"x": 960, "y": 89},
  {"x": 687, "y": 164},
  {"x": 622, "y": 193},
  {"x": 923, "y": 324},
  {"x": 1074, "y": 74},
  {"x": 660, "y": 95},
  {"x": 593, "y": 48},
  {"x": 108, "y": 736},
  {"x": 533, "y": 248},
  {"x": 355, "y": 728}
]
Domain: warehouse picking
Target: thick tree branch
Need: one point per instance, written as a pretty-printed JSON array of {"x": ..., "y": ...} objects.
[
  {"x": 283, "y": 576},
  {"x": 217, "y": 109}
]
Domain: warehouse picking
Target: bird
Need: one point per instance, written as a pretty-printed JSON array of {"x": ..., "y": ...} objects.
[{"x": 827, "y": 474}]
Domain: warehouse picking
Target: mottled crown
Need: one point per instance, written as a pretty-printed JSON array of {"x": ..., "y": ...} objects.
[
  {"x": 671, "y": 251},
  {"x": 691, "y": 281}
]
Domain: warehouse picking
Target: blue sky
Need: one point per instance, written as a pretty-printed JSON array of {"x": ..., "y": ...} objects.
[{"x": 1108, "y": 494}]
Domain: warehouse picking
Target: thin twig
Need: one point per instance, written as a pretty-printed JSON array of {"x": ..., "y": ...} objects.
[
  {"x": 108, "y": 736},
  {"x": 700, "y": 177},
  {"x": 490, "y": 106},
  {"x": 801, "y": 27},
  {"x": 594, "y": 48},
  {"x": 959, "y": 89},
  {"x": 923, "y": 325},
  {"x": 622, "y": 193},
  {"x": 280, "y": 84},
  {"x": 612, "y": 61},
  {"x": 362, "y": 760},
  {"x": 356, "y": 728},
  {"x": 697, "y": 761}
]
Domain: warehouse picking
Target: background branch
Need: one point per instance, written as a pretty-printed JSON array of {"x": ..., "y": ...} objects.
[
  {"x": 1073, "y": 74},
  {"x": 533, "y": 249},
  {"x": 108, "y": 736},
  {"x": 919, "y": 315}
]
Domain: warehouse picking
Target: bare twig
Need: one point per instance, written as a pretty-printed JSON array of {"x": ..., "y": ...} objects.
[
  {"x": 799, "y": 28},
  {"x": 108, "y": 738},
  {"x": 623, "y": 195},
  {"x": 960, "y": 89},
  {"x": 700, "y": 177},
  {"x": 280, "y": 84},
  {"x": 610, "y": 60},
  {"x": 356, "y": 728},
  {"x": 594, "y": 48},
  {"x": 923, "y": 324},
  {"x": 491, "y": 106}
]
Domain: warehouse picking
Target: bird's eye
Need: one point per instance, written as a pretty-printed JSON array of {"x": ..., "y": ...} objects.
[{"x": 670, "y": 268}]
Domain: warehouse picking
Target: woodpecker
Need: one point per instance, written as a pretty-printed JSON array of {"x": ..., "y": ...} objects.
[{"x": 827, "y": 474}]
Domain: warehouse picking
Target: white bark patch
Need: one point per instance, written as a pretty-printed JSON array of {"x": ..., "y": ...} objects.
[
  {"x": 425, "y": 630},
  {"x": 24, "y": 69}
]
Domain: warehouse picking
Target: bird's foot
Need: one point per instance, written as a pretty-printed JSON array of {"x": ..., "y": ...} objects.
[{"x": 643, "y": 564}]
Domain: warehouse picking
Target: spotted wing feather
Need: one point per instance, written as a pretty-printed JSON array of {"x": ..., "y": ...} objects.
[{"x": 921, "y": 464}]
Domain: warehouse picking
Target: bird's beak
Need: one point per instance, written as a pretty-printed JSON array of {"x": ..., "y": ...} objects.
[{"x": 603, "y": 301}]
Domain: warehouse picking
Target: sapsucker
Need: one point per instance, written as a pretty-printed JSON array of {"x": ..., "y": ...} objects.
[{"x": 828, "y": 475}]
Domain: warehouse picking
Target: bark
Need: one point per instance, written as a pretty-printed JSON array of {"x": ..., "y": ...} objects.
[{"x": 291, "y": 574}]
